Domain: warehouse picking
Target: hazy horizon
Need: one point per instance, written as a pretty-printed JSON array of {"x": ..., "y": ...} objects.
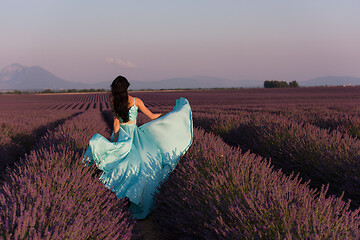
[{"x": 91, "y": 41}]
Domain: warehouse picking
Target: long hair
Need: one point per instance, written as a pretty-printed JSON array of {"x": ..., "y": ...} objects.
[{"x": 119, "y": 98}]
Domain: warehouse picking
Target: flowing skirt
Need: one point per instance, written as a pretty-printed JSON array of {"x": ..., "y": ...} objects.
[{"x": 141, "y": 159}]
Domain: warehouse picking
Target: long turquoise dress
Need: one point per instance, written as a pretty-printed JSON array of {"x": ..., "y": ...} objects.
[{"x": 141, "y": 159}]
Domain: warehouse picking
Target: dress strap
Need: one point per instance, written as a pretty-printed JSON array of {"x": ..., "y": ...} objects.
[{"x": 134, "y": 101}]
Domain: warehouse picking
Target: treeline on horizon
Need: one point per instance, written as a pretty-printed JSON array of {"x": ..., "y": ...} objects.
[
  {"x": 55, "y": 91},
  {"x": 280, "y": 84},
  {"x": 100, "y": 90},
  {"x": 267, "y": 84}
]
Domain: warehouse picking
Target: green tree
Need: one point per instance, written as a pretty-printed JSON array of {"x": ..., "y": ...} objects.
[
  {"x": 279, "y": 84},
  {"x": 293, "y": 84},
  {"x": 47, "y": 91},
  {"x": 275, "y": 84},
  {"x": 16, "y": 92}
]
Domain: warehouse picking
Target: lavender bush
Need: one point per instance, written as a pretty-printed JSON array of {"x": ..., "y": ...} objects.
[
  {"x": 19, "y": 132},
  {"x": 218, "y": 192},
  {"x": 52, "y": 195},
  {"x": 344, "y": 119},
  {"x": 319, "y": 155}
]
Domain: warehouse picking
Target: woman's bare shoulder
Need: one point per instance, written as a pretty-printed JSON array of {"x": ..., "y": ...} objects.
[
  {"x": 133, "y": 100},
  {"x": 138, "y": 101}
]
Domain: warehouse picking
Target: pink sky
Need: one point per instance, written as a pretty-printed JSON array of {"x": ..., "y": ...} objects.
[{"x": 93, "y": 41}]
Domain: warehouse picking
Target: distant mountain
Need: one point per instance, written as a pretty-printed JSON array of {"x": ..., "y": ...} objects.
[
  {"x": 331, "y": 81},
  {"x": 17, "y": 76},
  {"x": 191, "y": 82},
  {"x": 184, "y": 83}
]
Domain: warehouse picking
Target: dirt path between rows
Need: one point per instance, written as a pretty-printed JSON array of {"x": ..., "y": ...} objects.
[{"x": 146, "y": 229}]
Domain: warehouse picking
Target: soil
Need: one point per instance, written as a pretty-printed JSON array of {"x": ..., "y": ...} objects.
[{"x": 147, "y": 229}]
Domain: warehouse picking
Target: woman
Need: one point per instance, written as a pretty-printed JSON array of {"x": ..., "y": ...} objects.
[{"x": 138, "y": 159}]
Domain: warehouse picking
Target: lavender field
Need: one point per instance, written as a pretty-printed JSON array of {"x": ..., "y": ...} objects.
[{"x": 264, "y": 164}]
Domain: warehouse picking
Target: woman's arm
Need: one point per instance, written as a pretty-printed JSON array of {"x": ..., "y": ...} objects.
[
  {"x": 139, "y": 103},
  {"x": 116, "y": 129}
]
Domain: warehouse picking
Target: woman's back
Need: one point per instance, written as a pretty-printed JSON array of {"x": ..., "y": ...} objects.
[{"x": 133, "y": 112}]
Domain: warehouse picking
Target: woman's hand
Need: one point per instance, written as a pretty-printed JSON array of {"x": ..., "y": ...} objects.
[{"x": 156, "y": 115}]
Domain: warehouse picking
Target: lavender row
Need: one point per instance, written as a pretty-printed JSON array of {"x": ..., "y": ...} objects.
[
  {"x": 83, "y": 106},
  {"x": 319, "y": 155},
  {"x": 252, "y": 98},
  {"x": 344, "y": 118},
  {"x": 218, "y": 192},
  {"x": 69, "y": 102},
  {"x": 343, "y": 122},
  {"x": 20, "y": 130},
  {"x": 52, "y": 195}
]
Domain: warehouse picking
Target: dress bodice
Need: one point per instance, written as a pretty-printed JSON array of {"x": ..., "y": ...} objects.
[{"x": 133, "y": 113}]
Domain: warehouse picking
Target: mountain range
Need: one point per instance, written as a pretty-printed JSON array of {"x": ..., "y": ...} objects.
[
  {"x": 331, "y": 81},
  {"x": 16, "y": 76},
  {"x": 19, "y": 77}
]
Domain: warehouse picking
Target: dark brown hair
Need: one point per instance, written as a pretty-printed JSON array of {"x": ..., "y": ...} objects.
[{"x": 119, "y": 98}]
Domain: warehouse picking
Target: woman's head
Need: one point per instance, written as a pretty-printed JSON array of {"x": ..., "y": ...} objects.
[
  {"x": 120, "y": 100},
  {"x": 119, "y": 84}
]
